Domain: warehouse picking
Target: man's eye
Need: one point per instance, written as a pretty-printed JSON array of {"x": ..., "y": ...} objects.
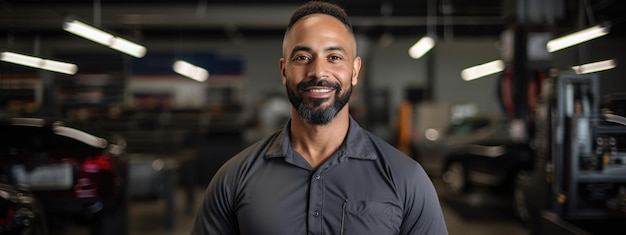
[
  {"x": 334, "y": 57},
  {"x": 301, "y": 57}
]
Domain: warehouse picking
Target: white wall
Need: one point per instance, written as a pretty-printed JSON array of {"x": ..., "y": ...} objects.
[
  {"x": 451, "y": 58},
  {"x": 391, "y": 68},
  {"x": 261, "y": 71}
]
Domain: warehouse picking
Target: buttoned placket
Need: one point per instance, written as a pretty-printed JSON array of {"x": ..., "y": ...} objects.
[
  {"x": 317, "y": 189},
  {"x": 316, "y": 198}
]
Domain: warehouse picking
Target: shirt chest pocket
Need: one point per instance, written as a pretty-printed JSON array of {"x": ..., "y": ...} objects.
[{"x": 370, "y": 217}]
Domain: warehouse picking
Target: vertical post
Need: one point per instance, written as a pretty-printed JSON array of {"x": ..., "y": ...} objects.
[
  {"x": 96, "y": 13},
  {"x": 520, "y": 72},
  {"x": 432, "y": 32},
  {"x": 520, "y": 60},
  {"x": 430, "y": 77},
  {"x": 169, "y": 172}
]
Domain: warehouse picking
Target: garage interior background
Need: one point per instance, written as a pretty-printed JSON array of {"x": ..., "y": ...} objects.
[{"x": 239, "y": 42}]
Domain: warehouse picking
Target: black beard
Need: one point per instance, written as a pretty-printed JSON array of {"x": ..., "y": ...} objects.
[{"x": 311, "y": 111}]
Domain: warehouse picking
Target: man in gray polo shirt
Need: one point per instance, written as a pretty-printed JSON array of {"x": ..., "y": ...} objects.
[{"x": 322, "y": 173}]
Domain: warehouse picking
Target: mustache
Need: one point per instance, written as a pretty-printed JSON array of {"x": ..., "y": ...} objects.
[{"x": 319, "y": 83}]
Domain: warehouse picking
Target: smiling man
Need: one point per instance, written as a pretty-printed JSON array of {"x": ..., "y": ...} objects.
[{"x": 322, "y": 173}]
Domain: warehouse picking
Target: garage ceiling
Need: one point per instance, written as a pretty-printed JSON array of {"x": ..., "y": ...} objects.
[{"x": 144, "y": 20}]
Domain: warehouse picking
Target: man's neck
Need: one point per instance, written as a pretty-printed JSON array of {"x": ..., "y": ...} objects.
[{"x": 316, "y": 143}]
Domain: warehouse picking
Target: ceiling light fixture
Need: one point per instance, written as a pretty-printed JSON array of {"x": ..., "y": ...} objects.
[
  {"x": 577, "y": 38},
  {"x": 104, "y": 38},
  {"x": 36, "y": 62},
  {"x": 594, "y": 67},
  {"x": 427, "y": 42},
  {"x": 421, "y": 47},
  {"x": 482, "y": 70},
  {"x": 191, "y": 71}
]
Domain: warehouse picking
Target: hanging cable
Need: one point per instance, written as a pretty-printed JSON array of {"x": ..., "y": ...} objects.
[
  {"x": 589, "y": 12},
  {"x": 430, "y": 18}
]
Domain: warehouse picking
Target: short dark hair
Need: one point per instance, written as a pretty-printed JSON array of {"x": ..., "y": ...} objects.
[{"x": 320, "y": 7}]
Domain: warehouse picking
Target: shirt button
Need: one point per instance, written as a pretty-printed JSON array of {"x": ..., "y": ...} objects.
[
  {"x": 317, "y": 177},
  {"x": 316, "y": 213}
]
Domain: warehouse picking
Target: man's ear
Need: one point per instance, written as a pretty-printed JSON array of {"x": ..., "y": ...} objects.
[
  {"x": 356, "y": 67},
  {"x": 281, "y": 65}
]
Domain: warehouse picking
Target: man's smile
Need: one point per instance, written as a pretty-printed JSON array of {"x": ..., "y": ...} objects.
[{"x": 319, "y": 92}]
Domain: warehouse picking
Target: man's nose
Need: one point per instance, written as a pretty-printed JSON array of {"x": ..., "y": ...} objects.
[{"x": 318, "y": 69}]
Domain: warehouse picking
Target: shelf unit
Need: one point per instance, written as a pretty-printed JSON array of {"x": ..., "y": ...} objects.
[
  {"x": 20, "y": 93},
  {"x": 589, "y": 172}
]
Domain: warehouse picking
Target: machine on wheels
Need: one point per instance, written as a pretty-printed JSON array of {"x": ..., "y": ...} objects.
[{"x": 578, "y": 182}]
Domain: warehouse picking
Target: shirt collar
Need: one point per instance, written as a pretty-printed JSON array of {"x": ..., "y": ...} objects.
[{"x": 357, "y": 144}]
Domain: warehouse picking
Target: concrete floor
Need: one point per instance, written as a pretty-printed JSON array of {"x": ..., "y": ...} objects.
[{"x": 472, "y": 214}]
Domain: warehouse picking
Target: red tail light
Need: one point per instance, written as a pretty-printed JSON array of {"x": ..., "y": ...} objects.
[
  {"x": 6, "y": 219},
  {"x": 95, "y": 164}
]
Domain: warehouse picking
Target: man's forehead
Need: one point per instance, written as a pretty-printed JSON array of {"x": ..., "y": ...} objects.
[
  {"x": 317, "y": 18},
  {"x": 325, "y": 24}
]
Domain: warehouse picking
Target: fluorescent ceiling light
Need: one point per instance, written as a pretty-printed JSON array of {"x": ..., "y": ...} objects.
[
  {"x": 482, "y": 70},
  {"x": 104, "y": 38},
  {"x": 576, "y": 38},
  {"x": 88, "y": 32},
  {"x": 59, "y": 67},
  {"x": 594, "y": 67},
  {"x": 128, "y": 47},
  {"x": 36, "y": 62},
  {"x": 191, "y": 71},
  {"x": 421, "y": 47}
]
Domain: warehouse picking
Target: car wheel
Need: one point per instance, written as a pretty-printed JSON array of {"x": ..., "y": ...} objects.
[
  {"x": 519, "y": 197},
  {"x": 455, "y": 177}
]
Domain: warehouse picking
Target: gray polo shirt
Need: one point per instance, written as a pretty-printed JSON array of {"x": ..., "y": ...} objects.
[{"x": 366, "y": 187}]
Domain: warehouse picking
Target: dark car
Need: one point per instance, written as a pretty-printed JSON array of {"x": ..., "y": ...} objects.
[
  {"x": 76, "y": 175},
  {"x": 483, "y": 151}
]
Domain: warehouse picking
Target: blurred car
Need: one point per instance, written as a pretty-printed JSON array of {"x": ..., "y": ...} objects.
[
  {"x": 483, "y": 150},
  {"x": 147, "y": 176},
  {"x": 75, "y": 174},
  {"x": 20, "y": 212}
]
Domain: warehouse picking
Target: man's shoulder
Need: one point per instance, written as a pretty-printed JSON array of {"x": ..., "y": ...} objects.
[
  {"x": 266, "y": 145},
  {"x": 384, "y": 147},
  {"x": 392, "y": 156}
]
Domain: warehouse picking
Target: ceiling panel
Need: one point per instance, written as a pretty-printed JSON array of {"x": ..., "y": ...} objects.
[{"x": 225, "y": 19}]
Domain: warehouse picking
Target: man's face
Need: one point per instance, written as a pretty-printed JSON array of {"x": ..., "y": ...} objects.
[{"x": 319, "y": 67}]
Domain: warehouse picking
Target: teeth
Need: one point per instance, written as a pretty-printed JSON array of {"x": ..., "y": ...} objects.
[{"x": 320, "y": 90}]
